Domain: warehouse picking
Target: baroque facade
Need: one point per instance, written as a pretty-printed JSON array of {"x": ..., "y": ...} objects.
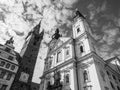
[
  {"x": 29, "y": 53},
  {"x": 8, "y": 65},
  {"x": 72, "y": 63}
]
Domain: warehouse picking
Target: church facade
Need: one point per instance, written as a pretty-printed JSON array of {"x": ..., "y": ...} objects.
[{"x": 72, "y": 63}]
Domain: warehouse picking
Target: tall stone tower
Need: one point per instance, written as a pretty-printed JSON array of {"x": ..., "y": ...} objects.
[{"x": 28, "y": 54}]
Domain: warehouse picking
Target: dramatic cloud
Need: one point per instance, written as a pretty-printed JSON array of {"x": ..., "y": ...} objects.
[{"x": 18, "y": 17}]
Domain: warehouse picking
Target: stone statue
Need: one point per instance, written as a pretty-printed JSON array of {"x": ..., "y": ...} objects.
[{"x": 56, "y": 35}]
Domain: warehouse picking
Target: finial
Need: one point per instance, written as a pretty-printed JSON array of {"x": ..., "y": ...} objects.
[
  {"x": 10, "y": 41},
  {"x": 77, "y": 13}
]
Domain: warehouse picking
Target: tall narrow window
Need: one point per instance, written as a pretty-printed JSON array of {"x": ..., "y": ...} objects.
[
  {"x": 86, "y": 76},
  {"x": 9, "y": 76},
  {"x": 67, "y": 52},
  {"x": 50, "y": 63},
  {"x": 102, "y": 75},
  {"x": 59, "y": 57},
  {"x": 78, "y": 30},
  {"x": 81, "y": 49},
  {"x": 112, "y": 85},
  {"x": 2, "y": 74},
  {"x": 114, "y": 77}
]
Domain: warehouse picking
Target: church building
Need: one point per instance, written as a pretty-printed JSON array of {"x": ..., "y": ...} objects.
[{"x": 72, "y": 63}]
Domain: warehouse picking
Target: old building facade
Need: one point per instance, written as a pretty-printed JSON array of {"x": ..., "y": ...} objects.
[
  {"x": 8, "y": 65},
  {"x": 72, "y": 63},
  {"x": 29, "y": 53}
]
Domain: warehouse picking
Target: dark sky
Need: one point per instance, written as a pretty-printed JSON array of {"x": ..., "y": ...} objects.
[{"x": 104, "y": 18}]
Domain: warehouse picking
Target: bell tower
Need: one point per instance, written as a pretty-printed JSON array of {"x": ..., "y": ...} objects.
[
  {"x": 28, "y": 54},
  {"x": 84, "y": 42}
]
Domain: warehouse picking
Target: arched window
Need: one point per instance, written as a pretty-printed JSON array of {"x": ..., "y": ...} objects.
[{"x": 81, "y": 49}]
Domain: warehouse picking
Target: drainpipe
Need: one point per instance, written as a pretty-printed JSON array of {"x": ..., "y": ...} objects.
[{"x": 75, "y": 57}]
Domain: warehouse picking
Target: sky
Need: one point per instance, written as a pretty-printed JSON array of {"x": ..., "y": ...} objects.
[{"x": 18, "y": 17}]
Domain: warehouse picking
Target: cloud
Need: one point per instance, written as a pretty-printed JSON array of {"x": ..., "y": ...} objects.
[
  {"x": 95, "y": 9},
  {"x": 18, "y": 17}
]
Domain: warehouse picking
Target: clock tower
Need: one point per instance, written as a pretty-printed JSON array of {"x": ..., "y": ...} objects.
[{"x": 29, "y": 53}]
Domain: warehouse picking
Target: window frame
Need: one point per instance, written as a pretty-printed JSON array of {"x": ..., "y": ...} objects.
[{"x": 67, "y": 48}]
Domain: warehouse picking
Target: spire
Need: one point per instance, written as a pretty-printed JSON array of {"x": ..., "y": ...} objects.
[{"x": 35, "y": 30}]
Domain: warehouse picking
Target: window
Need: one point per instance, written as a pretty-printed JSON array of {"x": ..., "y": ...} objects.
[
  {"x": 2, "y": 74},
  {"x": 67, "y": 52},
  {"x": 9, "y": 76},
  {"x": 7, "y": 65},
  {"x": 81, "y": 49},
  {"x": 3, "y": 87},
  {"x": 106, "y": 88},
  {"x": 88, "y": 87},
  {"x": 12, "y": 67},
  {"x": 50, "y": 63},
  {"x": 85, "y": 76},
  {"x": 118, "y": 88},
  {"x": 112, "y": 85},
  {"x": 114, "y": 77},
  {"x": 7, "y": 49},
  {"x": 10, "y": 57},
  {"x": 78, "y": 30},
  {"x": 2, "y": 63},
  {"x": 59, "y": 56},
  {"x": 108, "y": 73},
  {"x": 102, "y": 75}
]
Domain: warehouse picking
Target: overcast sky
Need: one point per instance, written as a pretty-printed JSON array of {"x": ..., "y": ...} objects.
[{"x": 18, "y": 17}]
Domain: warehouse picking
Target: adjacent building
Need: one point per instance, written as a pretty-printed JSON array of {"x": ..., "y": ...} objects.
[
  {"x": 28, "y": 57},
  {"x": 8, "y": 65},
  {"x": 72, "y": 63}
]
